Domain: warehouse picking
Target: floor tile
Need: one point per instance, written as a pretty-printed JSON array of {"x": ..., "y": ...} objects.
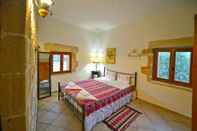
[
  {"x": 47, "y": 117},
  {"x": 54, "y": 115},
  {"x": 54, "y": 128},
  {"x": 42, "y": 126}
]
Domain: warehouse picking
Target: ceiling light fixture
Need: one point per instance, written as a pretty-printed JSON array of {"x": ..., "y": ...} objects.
[{"x": 44, "y": 7}]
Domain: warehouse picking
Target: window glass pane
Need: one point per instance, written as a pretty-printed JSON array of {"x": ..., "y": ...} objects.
[
  {"x": 182, "y": 67},
  {"x": 66, "y": 64},
  {"x": 163, "y": 65},
  {"x": 56, "y": 63}
]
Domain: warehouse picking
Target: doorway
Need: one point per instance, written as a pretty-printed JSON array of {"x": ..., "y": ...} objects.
[{"x": 44, "y": 75}]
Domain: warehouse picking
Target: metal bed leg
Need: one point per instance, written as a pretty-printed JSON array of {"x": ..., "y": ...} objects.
[
  {"x": 83, "y": 118},
  {"x": 59, "y": 91}
]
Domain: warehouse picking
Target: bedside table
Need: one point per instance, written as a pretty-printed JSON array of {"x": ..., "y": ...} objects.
[{"x": 95, "y": 74}]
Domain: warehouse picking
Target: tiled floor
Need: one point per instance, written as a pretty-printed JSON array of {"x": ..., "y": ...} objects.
[{"x": 55, "y": 116}]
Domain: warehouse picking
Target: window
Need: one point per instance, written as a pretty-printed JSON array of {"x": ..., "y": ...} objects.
[
  {"x": 61, "y": 62},
  {"x": 173, "y": 65},
  {"x": 56, "y": 62},
  {"x": 182, "y": 66},
  {"x": 163, "y": 65}
]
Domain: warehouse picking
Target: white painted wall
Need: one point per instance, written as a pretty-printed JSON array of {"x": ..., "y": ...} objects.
[
  {"x": 161, "y": 25},
  {"x": 165, "y": 25},
  {"x": 53, "y": 30}
]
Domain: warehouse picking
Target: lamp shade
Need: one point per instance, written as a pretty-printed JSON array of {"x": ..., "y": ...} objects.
[
  {"x": 44, "y": 7},
  {"x": 97, "y": 58}
]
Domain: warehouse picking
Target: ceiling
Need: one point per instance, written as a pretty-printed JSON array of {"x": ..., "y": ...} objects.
[{"x": 107, "y": 14}]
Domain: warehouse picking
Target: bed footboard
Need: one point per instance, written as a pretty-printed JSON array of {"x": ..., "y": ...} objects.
[{"x": 79, "y": 115}]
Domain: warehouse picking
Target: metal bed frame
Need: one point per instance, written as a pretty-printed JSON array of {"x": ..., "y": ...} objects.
[{"x": 81, "y": 115}]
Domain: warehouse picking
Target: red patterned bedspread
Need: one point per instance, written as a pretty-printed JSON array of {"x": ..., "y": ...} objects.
[{"x": 105, "y": 94}]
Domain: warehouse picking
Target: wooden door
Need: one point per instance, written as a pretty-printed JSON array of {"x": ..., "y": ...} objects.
[
  {"x": 44, "y": 71},
  {"x": 194, "y": 81}
]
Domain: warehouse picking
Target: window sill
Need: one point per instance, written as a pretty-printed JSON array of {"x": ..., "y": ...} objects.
[
  {"x": 59, "y": 73},
  {"x": 171, "y": 85}
]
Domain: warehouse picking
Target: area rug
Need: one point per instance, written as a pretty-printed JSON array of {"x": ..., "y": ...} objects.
[{"x": 120, "y": 120}]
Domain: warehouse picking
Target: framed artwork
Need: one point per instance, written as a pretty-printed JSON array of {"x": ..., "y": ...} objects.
[{"x": 110, "y": 55}]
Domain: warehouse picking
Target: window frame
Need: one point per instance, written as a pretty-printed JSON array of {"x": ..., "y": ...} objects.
[
  {"x": 61, "y": 62},
  {"x": 171, "y": 79}
]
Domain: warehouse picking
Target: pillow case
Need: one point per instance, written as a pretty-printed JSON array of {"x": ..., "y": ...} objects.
[
  {"x": 124, "y": 78},
  {"x": 110, "y": 75}
]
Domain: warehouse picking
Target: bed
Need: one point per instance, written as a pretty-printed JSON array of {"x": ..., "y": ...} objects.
[{"x": 94, "y": 100}]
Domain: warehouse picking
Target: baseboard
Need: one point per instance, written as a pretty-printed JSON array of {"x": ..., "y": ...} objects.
[{"x": 164, "y": 108}]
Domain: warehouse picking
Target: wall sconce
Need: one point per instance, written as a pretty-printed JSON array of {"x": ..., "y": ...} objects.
[{"x": 44, "y": 7}]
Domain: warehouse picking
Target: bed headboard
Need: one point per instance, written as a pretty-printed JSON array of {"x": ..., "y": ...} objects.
[{"x": 132, "y": 76}]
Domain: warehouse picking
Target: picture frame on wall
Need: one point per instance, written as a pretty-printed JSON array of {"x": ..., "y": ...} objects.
[{"x": 111, "y": 56}]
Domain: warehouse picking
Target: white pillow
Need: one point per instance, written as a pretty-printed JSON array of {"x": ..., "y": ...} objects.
[
  {"x": 124, "y": 78},
  {"x": 110, "y": 75},
  {"x": 101, "y": 78}
]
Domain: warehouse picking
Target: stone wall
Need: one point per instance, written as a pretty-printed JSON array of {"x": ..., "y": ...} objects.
[
  {"x": 184, "y": 42},
  {"x": 31, "y": 67},
  {"x": 55, "y": 47},
  {"x": 17, "y": 66}
]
